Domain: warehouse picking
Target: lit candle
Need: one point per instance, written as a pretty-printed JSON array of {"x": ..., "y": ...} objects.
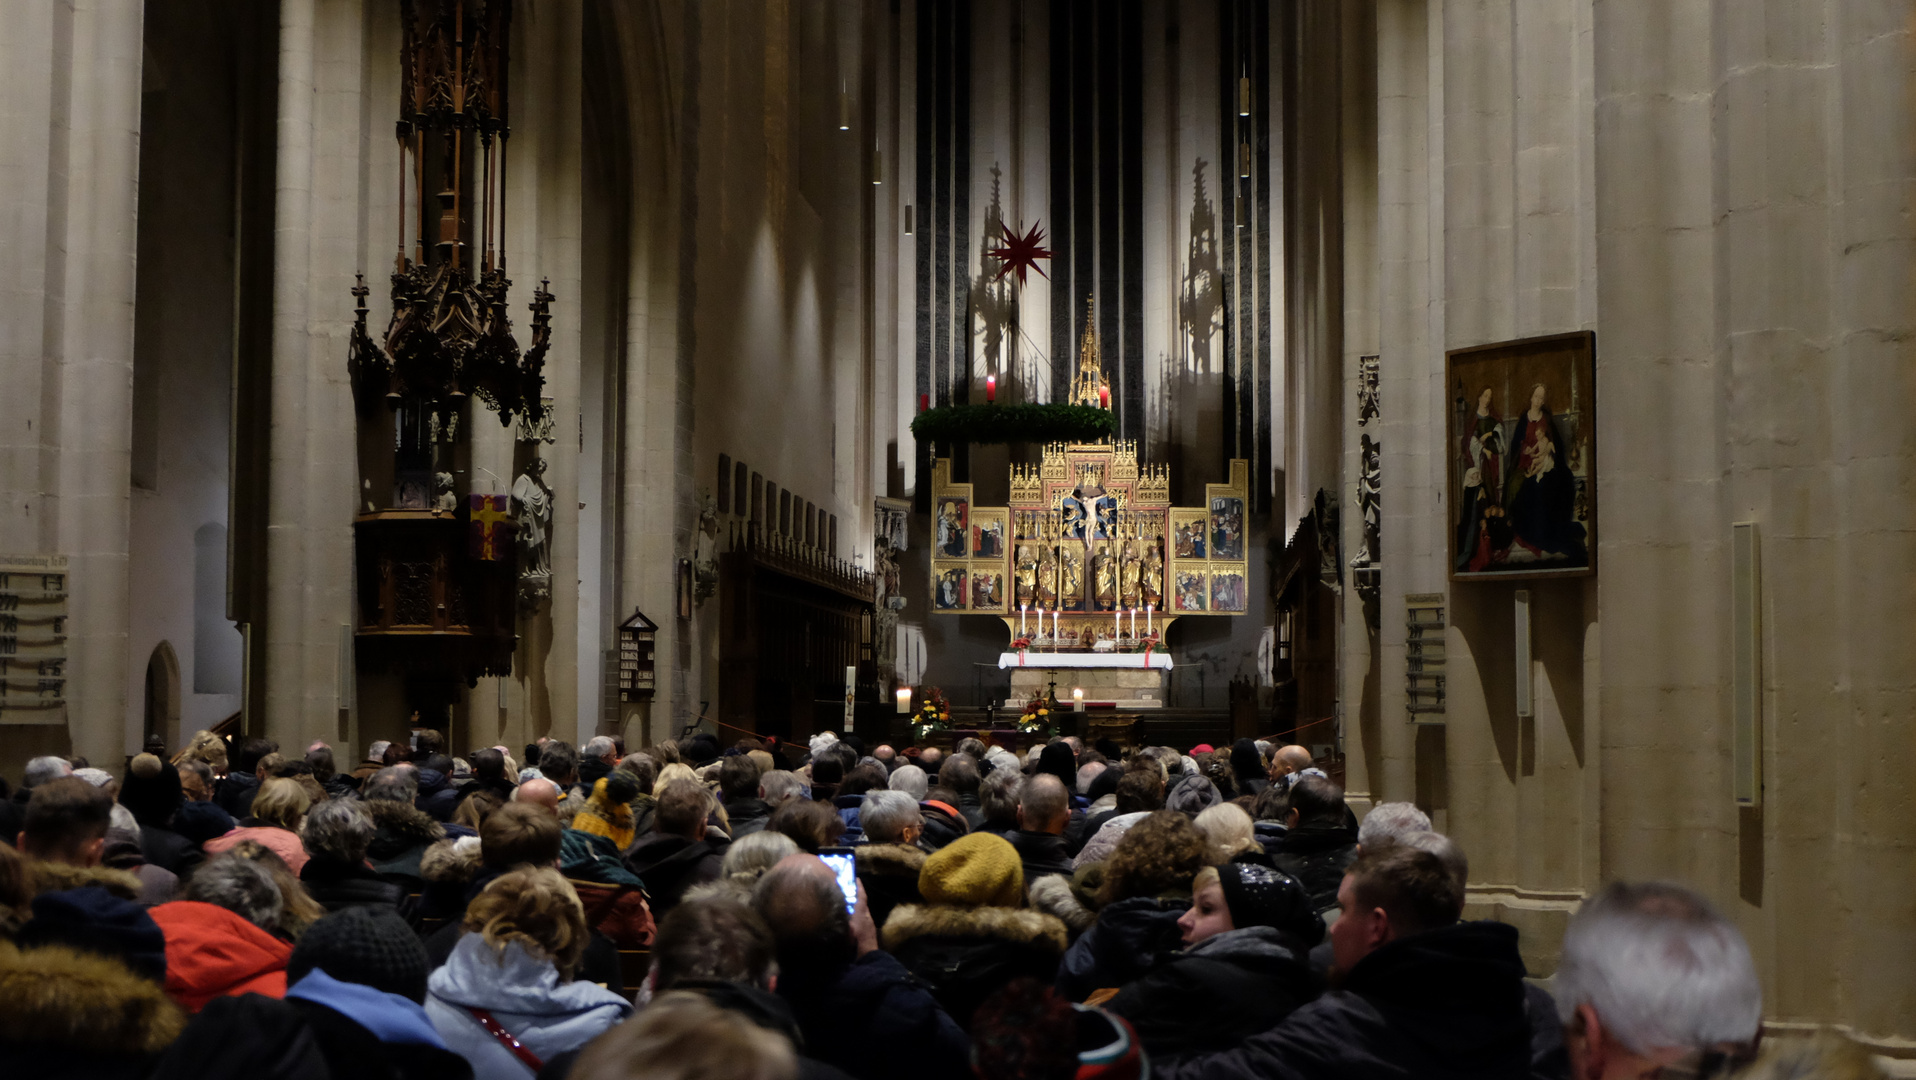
[
  {"x": 1077, "y": 699},
  {"x": 1147, "y": 621},
  {"x": 1134, "y": 622},
  {"x": 904, "y": 701},
  {"x": 1056, "y": 614},
  {"x": 1104, "y": 397},
  {"x": 991, "y": 389},
  {"x": 1021, "y": 620},
  {"x": 1117, "y": 623},
  {"x": 924, "y": 402}
]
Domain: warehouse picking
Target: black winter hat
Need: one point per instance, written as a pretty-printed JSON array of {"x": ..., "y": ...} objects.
[
  {"x": 371, "y": 946},
  {"x": 1260, "y": 896},
  {"x": 94, "y": 920},
  {"x": 150, "y": 790}
]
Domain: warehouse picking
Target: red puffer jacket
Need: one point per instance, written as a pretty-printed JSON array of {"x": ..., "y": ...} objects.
[{"x": 212, "y": 952}]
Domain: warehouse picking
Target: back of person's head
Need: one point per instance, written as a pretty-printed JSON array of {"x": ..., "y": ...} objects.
[
  {"x": 1272, "y": 804},
  {"x": 271, "y": 764},
  {"x": 207, "y": 747},
  {"x": 960, "y": 772},
  {"x": 239, "y": 885},
  {"x": 196, "y": 778},
  {"x": 428, "y": 743},
  {"x": 394, "y": 783},
  {"x": 1229, "y": 830},
  {"x": 1389, "y": 821},
  {"x": 998, "y": 798},
  {"x": 1140, "y": 791},
  {"x": 250, "y": 751},
  {"x": 683, "y": 807},
  {"x": 971, "y": 746},
  {"x": 1661, "y": 968},
  {"x": 671, "y": 773},
  {"x": 1414, "y": 889},
  {"x": 911, "y": 780},
  {"x": 43, "y": 770},
  {"x": 474, "y": 809},
  {"x": 518, "y": 833},
  {"x": 1158, "y": 856},
  {"x": 827, "y": 771},
  {"x": 713, "y": 939},
  {"x": 281, "y": 803},
  {"x": 779, "y": 787},
  {"x": 338, "y": 830},
  {"x": 800, "y": 901},
  {"x": 616, "y": 788},
  {"x": 559, "y": 762},
  {"x": 864, "y": 778},
  {"x": 1042, "y": 802},
  {"x": 1088, "y": 773},
  {"x": 1317, "y": 801},
  {"x": 886, "y": 814},
  {"x": 1028, "y": 1031},
  {"x": 366, "y": 945},
  {"x": 1448, "y": 851},
  {"x": 811, "y": 825},
  {"x": 534, "y": 907},
  {"x": 738, "y": 778},
  {"x": 66, "y": 821},
  {"x": 644, "y": 768},
  {"x": 376, "y": 750},
  {"x": 1296, "y": 758},
  {"x": 599, "y": 746},
  {"x": 320, "y": 761},
  {"x": 684, "y": 1036},
  {"x": 750, "y": 856},
  {"x": 488, "y": 764}
]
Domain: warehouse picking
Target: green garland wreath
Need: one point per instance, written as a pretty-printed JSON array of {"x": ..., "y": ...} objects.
[{"x": 1014, "y": 423}]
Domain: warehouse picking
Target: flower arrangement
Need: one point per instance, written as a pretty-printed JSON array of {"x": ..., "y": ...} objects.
[
  {"x": 933, "y": 715},
  {"x": 1038, "y": 713}
]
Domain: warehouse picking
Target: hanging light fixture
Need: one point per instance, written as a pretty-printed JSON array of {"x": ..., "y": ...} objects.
[
  {"x": 878, "y": 167},
  {"x": 844, "y": 108},
  {"x": 1244, "y": 95}
]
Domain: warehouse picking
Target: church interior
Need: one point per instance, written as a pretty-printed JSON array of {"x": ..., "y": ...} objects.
[{"x": 1512, "y": 403}]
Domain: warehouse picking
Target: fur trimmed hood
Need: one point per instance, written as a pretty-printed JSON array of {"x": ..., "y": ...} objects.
[
  {"x": 454, "y": 862},
  {"x": 1052, "y": 895},
  {"x": 1020, "y": 926},
  {"x": 88, "y": 1005},
  {"x": 46, "y": 877},
  {"x": 400, "y": 826},
  {"x": 890, "y": 860}
]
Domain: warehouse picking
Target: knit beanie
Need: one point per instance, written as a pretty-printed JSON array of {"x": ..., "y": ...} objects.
[
  {"x": 1193, "y": 794},
  {"x": 201, "y": 821},
  {"x": 975, "y": 870},
  {"x": 151, "y": 790},
  {"x": 1260, "y": 896},
  {"x": 94, "y": 920},
  {"x": 371, "y": 946}
]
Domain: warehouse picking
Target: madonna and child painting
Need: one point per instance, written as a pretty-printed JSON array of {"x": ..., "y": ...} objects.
[{"x": 1522, "y": 451}]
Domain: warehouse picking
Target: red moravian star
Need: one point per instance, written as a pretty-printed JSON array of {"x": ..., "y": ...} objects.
[{"x": 1020, "y": 253}]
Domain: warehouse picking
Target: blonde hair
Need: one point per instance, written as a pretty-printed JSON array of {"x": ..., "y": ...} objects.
[
  {"x": 1205, "y": 878},
  {"x": 683, "y": 1036},
  {"x": 204, "y": 746},
  {"x": 298, "y": 909},
  {"x": 281, "y": 803},
  {"x": 1229, "y": 831},
  {"x": 537, "y": 908},
  {"x": 674, "y": 771}
]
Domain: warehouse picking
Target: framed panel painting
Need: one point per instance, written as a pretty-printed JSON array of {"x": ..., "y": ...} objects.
[{"x": 1522, "y": 453}]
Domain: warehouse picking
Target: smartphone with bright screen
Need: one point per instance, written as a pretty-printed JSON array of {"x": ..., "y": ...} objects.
[{"x": 845, "y": 867}]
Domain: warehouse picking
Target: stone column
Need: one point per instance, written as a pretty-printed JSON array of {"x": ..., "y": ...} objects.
[{"x": 72, "y": 84}]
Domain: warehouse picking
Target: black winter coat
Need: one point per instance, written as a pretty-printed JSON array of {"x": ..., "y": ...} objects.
[
  {"x": 253, "y": 1036},
  {"x": 747, "y": 816},
  {"x": 968, "y": 954},
  {"x": 437, "y": 797},
  {"x": 1040, "y": 854},
  {"x": 940, "y": 828},
  {"x": 669, "y": 865},
  {"x": 168, "y": 850},
  {"x": 234, "y": 793},
  {"x": 873, "y": 1020},
  {"x": 1446, "y": 1004},
  {"x": 1124, "y": 943},
  {"x": 1317, "y": 856},
  {"x": 339, "y": 885},
  {"x": 1217, "y": 993},
  {"x": 889, "y": 873}
]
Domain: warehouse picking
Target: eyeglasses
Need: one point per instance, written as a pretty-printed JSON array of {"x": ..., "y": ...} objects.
[{"x": 1707, "y": 1064}]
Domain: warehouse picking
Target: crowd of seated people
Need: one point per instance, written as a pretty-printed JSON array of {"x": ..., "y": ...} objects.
[{"x": 230, "y": 910}]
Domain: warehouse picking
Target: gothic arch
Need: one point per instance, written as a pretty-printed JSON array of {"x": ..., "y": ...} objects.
[{"x": 161, "y": 715}]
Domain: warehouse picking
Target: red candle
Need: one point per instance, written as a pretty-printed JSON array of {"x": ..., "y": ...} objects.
[
  {"x": 1104, "y": 397},
  {"x": 924, "y": 402},
  {"x": 991, "y": 389}
]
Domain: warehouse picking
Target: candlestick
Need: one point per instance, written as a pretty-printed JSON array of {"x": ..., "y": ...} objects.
[
  {"x": 1134, "y": 623},
  {"x": 1021, "y": 620},
  {"x": 1104, "y": 397},
  {"x": 1147, "y": 621},
  {"x": 1057, "y": 613},
  {"x": 1117, "y": 624},
  {"x": 991, "y": 389}
]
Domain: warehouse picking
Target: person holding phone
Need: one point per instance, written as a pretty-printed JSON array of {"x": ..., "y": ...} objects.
[{"x": 858, "y": 1007}]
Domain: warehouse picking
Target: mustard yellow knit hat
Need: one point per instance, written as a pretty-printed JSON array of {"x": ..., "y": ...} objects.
[{"x": 977, "y": 870}]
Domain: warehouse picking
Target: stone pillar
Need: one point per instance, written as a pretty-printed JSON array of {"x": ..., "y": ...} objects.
[
  {"x": 319, "y": 243},
  {"x": 72, "y": 83}
]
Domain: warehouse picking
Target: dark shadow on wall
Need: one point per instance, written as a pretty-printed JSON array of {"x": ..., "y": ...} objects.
[
  {"x": 1560, "y": 616},
  {"x": 1484, "y": 613}
]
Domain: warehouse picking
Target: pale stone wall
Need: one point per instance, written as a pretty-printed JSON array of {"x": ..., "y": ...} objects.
[{"x": 1720, "y": 192}]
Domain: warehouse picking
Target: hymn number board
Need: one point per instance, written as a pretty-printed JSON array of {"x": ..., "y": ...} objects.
[
  {"x": 1089, "y": 530},
  {"x": 638, "y": 676},
  {"x": 33, "y": 638}
]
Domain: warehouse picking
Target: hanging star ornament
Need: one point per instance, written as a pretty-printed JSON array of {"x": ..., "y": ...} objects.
[{"x": 1020, "y": 253}]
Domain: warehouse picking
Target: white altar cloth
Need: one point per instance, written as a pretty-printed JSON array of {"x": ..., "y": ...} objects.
[{"x": 1033, "y": 658}]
